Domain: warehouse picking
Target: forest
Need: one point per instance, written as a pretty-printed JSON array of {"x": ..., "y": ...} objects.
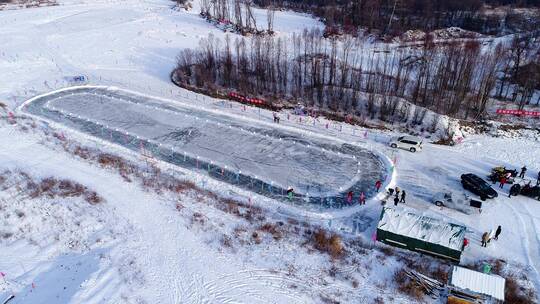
[
  {"x": 349, "y": 76},
  {"x": 393, "y": 17}
]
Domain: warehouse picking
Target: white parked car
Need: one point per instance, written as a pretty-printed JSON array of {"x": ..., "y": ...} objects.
[
  {"x": 410, "y": 143},
  {"x": 457, "y": 201}
]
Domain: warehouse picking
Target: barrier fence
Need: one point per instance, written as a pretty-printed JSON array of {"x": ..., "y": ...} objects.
[{"x": 193, "y": 162}]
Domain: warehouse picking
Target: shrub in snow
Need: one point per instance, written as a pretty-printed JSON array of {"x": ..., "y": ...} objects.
[{"x": 330, "y": 244}]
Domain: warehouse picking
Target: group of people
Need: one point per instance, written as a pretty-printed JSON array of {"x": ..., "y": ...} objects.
[
  {"x": 378, "y": 185},
  {"x": 361, "y": 198},
  {"x": 524, "y": 170},
  {"x": 399, "y": 195},
  {"x": 486, "y": 237},
  {"x": 515, "y": 189},
  {"x": 399, "y": 198},
  {"x": 491, "y": 235}
]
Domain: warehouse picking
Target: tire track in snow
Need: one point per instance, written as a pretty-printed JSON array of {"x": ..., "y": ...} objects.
[
  {"x": 245, "y": 283},
  {"x": 291, "y": 288},
  {"x": 532, "y": 252},
  {"x": 282, "y": 283}
]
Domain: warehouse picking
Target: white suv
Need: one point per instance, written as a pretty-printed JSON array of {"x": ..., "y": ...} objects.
[{"x": 410, "y": 143}]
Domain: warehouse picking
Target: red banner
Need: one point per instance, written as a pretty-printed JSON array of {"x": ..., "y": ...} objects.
[
  {"x": 518, "y": 112},
  {"x": 244, "y": 99}
]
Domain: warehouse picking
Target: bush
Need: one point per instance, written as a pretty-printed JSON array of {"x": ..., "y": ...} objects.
[
  {"x": 516, "y": 294},
  {"x": 331, "y": 245},
  {"x": 92, "y": 197},
  {"x": 83, "y": 153},
  {"x": 335, "y": 247},
  {"x": 113, "y": 161},
  {"x": 47, "y": 185},
  {"x": 51, "y": 188},
  {"x": 226, "y": 241},
  {"x": 272, "y": 229}
]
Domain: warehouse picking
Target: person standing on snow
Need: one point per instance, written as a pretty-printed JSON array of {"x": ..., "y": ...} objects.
[
  {"x": 362, "y": 198},
  {"x": 465, "y": 243},
  {"x": 402, "y": 197},
  {"x": 378, "y": 185},
  {"x": 497, "y": 232},
  {"x": 503, "y": 181},
  {"x": 514, "y": 190},
  {"x": 522, "y": 173},
  {"x": 349, "y": 197},
  {"x": 290, "y": 193},
  {"x": 396, "y": 200},
  {"x": 485, "y": 238}
]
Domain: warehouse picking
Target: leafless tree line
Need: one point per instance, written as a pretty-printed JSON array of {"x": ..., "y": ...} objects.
[
  {"x": 456, "y": 78},
  {"x": 237, "y": 14},
  {"x": 394, "y": 17},
  {"x": 521, "y": 74}
]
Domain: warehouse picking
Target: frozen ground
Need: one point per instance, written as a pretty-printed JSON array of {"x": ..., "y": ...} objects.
[{"x": 260, "y": 157}]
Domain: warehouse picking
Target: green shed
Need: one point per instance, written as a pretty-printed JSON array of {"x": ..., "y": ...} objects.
[{"x": 405, "y": 229}]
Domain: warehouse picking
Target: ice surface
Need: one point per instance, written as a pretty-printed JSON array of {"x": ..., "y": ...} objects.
[{"x": 258, "y": 156}]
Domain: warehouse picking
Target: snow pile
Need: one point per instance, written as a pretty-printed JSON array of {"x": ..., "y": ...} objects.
[
  {"x": 440, "y": 34},
  {"x": 21, "y": 4},
  {"x": 411, "y": 35},
  {"x": 453, "y": 33}
]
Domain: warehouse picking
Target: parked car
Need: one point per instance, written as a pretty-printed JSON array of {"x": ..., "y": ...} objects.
[
  {"x": 457, "y": 201},
  {"x": 478, "y": 186},
  {"x": 443, "y": 199},
  {"x": 410, "y": 143}
]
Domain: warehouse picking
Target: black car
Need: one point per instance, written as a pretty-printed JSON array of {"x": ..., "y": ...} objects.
[{"x": 478, "y": 186}]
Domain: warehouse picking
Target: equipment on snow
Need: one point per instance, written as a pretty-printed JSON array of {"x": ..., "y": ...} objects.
[{"x": 498, "y": 173}]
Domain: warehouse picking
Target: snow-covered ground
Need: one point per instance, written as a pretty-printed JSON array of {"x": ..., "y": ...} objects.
[{"x": 144, "y": 246}]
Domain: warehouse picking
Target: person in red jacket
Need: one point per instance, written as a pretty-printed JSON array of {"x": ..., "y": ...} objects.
[
  {"x": 503, "y": 181},
  {"x": 465, "y": 243},
  {"x": 362, "y": 198},
  {"x": 378, "y": 185},
  {"x": 349, "y": 197}
]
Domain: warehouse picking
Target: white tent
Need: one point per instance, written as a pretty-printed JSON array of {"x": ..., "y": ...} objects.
[{"x": 477, "y": 282}]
